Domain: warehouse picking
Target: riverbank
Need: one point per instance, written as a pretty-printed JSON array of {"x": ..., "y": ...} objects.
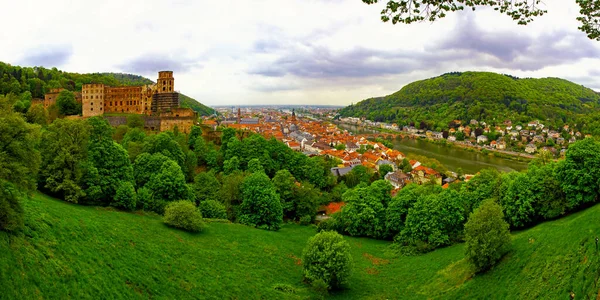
[{"x": 470, "y": 159}]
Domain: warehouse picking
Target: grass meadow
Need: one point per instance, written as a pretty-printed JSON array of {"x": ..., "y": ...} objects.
[{"x": 71, "y": 251}]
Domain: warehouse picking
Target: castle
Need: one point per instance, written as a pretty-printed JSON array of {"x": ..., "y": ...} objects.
[{"x": 159, "y": 103}]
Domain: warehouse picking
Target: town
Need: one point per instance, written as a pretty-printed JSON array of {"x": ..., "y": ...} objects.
[{"x": 506, "y": 137}]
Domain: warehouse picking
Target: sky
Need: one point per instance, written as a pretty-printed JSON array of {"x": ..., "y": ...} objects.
[{"x": 252, "y": 52}]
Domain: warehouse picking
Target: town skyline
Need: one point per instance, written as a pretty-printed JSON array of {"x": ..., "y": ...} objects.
[{"x": 304, "y": 52}]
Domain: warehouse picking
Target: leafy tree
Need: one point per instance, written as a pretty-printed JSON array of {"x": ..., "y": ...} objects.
[
  {"x": 486, "y": 235},
  {"x": 255, "y": 166},
  {"x": 405, "y": 166},
  {"x": 231, "y": 165},
  {"x": 125, "y": 197},
  {"x": 185, "y": 215},
  {"x": 195, "y": 134},
  {"x": 549, "y": 199},
  {"x": 64, "y": 148},
  {"x": 212, "y": 209},
  {"x": 580, "y": 172},
  {"x": 133, "y": 142},
  {"x": 483, "y": 186},
  {"x": 518, "y": 199},
  {"x": 435, "y": 220},
  {"x": 384, "y": 169},
  {"x": 363, "y": 214},
  {"x": 108, "y": 163},
  {"x": 67, "y": 104},
  {"x": 145, "y": 166},
  {"x": 191, "y": 162},
  {"x": 285, "y": 184},
  {"x": 327, "y": 257},
  {"x": 305, "y": 202},
  {"x": 168, "y": 183},
  {"x": 37, "y": 114},
  {"x": 19, "y": 164},
  {"x": 359, "y": 174},
  {"x": 206, "y": 186},
  {"x": 231, "y": 193},
  {"x": 166, "y": 144},
  {"x": 201, "y": 149},
  {"x": 261, "y": 206},
  {"x": 397, "y": 210}
]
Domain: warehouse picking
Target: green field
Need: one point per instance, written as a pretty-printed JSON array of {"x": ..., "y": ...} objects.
[{"x": 72, "y": 251}]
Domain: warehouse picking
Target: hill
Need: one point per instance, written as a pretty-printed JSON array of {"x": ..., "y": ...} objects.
[
  {"x": 486, "y": 97},
  {"x": 73, "y": 251},
  {"x": 39, "y": 80}
]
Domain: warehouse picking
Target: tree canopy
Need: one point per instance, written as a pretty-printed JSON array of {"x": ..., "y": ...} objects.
[{"x": 522, "y": 11}]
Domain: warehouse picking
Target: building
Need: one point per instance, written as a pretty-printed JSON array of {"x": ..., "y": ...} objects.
[
  {"x": 397, "y": 179},
  {"x": 158, "y": 102}
]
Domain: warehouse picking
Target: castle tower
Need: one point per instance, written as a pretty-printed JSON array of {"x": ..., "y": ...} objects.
[
  {"x": 165, "y": 82},
  {"x": 92, "y": 99}
]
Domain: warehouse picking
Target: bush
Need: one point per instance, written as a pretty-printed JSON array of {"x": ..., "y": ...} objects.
[
  {"x": 327, "y": 258},
  {"x": 125, "y": 197},
  {"x": 212, "y": 209},
  {"x": 305, "y": 220},
  {"x": 185, "y": 215},
  {"x": 328, "y": 225},
  {"x": 486, "y": 236}
]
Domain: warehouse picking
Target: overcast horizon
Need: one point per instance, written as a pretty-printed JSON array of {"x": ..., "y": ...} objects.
[{"x": 266, "y": 52}]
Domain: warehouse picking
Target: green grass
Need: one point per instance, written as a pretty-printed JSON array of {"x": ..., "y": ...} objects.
[{"x": 72, "y": 251}]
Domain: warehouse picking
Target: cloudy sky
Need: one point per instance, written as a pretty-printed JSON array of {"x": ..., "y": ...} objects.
[{"x": 336, "y": 52}]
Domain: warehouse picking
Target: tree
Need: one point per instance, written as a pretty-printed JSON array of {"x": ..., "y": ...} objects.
[
  {"x": 285, "y": 183},
  {"x": 579, "y": 173},
  {"x": 185, "y": 215},
  {"x": 37, "y": 114},
  {"x": 522, "y": 11},
  {"x": 517, "y": 200},
  {"x": 254, "y": 166},
  {"x": 435, "y": 220},
  {"x": 67, "y": 104},
  {"x": 231, "y": 165},
  {"x": 206, "y": 186},
  {"x": 327, "y": 257},
  {"x": 261, "y": 207},
  {"x": 195, "y": 134},
  {"x": 108, "y": 163},
  {"x": 145, "y": 166},
  {"x": 212, "y": 209},
  {"x": 487, "y": 237},
  {"x": 125, "y": 197},
  {"x": 168, "y": 183},
  {"x": 19, "y": 164},
  {"x": 363, "y": 214},
  {"x": 384, "y": 169},
  {"x": 231, "y": 193},
  {"x": 166, "y": 144},
  {"x": 64, "y": 148}
]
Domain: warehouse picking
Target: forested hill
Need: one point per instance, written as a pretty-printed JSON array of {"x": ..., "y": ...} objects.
[
  {"x": 39, "y": 80},
  {"x": 486, "y": 97}
]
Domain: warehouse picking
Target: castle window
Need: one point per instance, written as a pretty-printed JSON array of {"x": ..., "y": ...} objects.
[
  {"x": 92, "y": 108},
  {"x": 163, "y": 88},
  {"x": 92, "y": 103},
  {"x": 164, "y": 82}
]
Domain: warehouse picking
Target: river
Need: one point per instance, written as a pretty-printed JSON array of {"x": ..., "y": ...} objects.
[{"x": 452, "y": 157}]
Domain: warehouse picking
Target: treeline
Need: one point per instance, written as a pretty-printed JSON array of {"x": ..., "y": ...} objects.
[
  {"x": 34, "y": 82},
  {"x": 421, "y": 218},
  {"x": 486, "y": 97}
]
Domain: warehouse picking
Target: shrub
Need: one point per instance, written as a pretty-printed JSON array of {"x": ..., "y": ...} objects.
[
  {"x": 327, "y": 257},
  {"x": 328, "y": 225},
  {"x": 125, "y": 197},
  {"x": 305, "y": 220},
  {"x": 185, "y": 215},
  {"x": 213, "y": 209},
  {"x": 486, "y": 235}
]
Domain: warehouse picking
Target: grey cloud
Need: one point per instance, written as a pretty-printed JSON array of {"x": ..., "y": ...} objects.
[
  {"x": 151, "y": 63},
  {"x": 514, "y": 50},
  {"x": 48, "y": 56}
]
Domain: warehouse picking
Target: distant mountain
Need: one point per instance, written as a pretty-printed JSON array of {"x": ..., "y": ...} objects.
[
  {"x": 485, "y": 96},
  {"x": 39, "y": 80}
]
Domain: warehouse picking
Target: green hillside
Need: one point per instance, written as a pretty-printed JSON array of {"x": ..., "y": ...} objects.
[
  {"x": 73, "y": 251},
  {"x": 38, "y": 80},
  {"x": 486, "y": 97}
]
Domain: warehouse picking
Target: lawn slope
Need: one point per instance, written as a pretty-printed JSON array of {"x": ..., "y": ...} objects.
[{"x": 72, "y": 251}]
